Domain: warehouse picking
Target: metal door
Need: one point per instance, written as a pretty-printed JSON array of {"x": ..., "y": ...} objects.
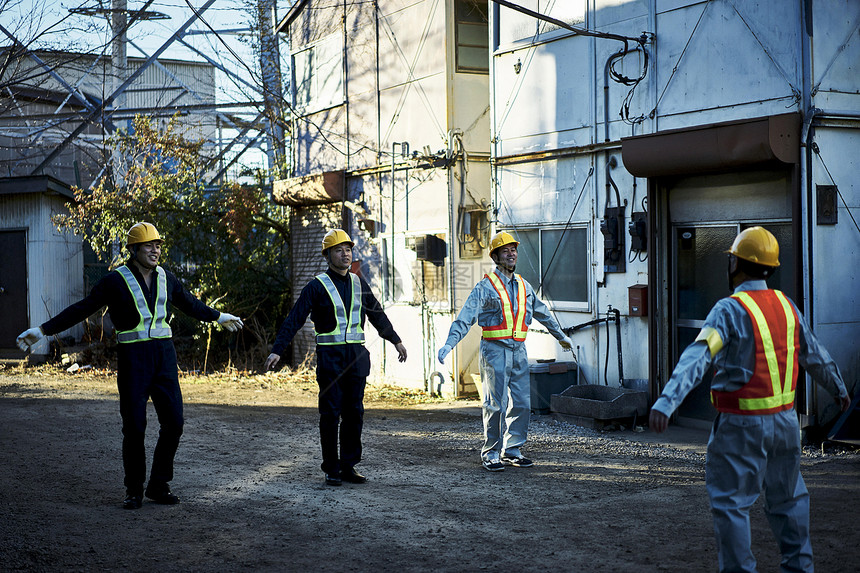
[
  {"x": 700, "y": 281},
  {"x": 13, "y": 286}
]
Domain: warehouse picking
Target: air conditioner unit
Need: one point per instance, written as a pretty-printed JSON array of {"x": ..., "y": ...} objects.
[{"x": 430, "y": 248}]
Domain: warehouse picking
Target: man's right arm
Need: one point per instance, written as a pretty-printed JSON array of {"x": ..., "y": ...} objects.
[
  {"x": 291, "y": 325},
  {"x": 691, "y": 368},
  {"x": 464, "y": 321},
  {"x": 80, "y": 310},
  {"x": 467, "y": 317}
]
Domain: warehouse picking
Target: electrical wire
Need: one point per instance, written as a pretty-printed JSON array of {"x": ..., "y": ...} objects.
[
  {"x": 795, "y": 91},
  {"x": 653, "y": 112},
  {"x": 817, "y": 152},
  {"x": 566, "y": 226},
  {"x": 632, "y": 82},
  {"x": 125, "y": 28},
  {"x": 516, "y": 228}
]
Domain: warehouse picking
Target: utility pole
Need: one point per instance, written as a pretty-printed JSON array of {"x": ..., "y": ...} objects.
[
  {"x": 119, "y": 50},
  {"x": 270, "y": 68}
]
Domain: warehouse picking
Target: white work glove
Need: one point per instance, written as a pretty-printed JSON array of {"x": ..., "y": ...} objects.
[
  {"x": 271, "y": 361},
  {"x": 29, "y": 337},
  {"x": 230, "y": 322},
  {"x": 443, "y": 352},
  {"x": 566, "y": 343}
]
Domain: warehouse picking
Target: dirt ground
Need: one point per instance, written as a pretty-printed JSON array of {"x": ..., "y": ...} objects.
[{"x": 253, "y": 496}]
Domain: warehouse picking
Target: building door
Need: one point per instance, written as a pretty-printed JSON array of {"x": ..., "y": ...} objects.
[
  {"x": 13, "y": 287},
  {"x": 705, "y": 214},
  {"x": 700, "y": 281}
]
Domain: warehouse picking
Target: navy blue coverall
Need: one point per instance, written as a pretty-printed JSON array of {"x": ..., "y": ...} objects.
[
  {"x": 145, "y": 369},
  {"x": 342, "y": 369}
]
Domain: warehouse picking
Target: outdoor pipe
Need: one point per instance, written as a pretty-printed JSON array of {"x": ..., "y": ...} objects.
[
  {"x": 618, "y": 344},
  {"x": 613, "y": 315}
]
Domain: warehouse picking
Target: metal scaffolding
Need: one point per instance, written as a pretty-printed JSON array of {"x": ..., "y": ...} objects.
[{"x": 79, "y": 117}]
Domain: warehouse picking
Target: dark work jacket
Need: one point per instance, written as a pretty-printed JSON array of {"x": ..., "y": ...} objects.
[
  {"x": 111, "y": 291},
  {"x": 315, "y": 301}
]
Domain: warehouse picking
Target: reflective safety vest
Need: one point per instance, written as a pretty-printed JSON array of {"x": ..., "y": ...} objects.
[
  {"x": 148, "y": 327},
  {"x": 511, "y": 326},
  {"x": 777, "y": 342},
  {"x": 348, "y": 329}
]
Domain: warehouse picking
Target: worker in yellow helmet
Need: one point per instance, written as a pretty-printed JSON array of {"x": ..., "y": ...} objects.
[
  {"x": 139, "y": 295},
  {"x": 504, "y": 304},
  {"x": 338, "y": 302},
  {"x": 754, "y": 341}
]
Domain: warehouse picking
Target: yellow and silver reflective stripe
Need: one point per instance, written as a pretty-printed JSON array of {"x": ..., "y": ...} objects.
[
  {"x": 160, "y": 328},
  {"x": 354, "y": 332},
  {"x": 781, "y": 399},
  {"x": 520, "y": 317},
  {"x": 791, "y": 326},
  {"x": 346, "y": 331},
  {"x": 141, "y": 331},
  {"x": 507, "y": 311}
]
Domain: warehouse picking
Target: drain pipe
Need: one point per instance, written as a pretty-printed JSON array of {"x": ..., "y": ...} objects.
[
  {"x": 811, "y": 395},
  {"x": 617, "y": 314}
]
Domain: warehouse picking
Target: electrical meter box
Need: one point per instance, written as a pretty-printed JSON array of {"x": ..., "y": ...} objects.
[{"x": 638, "y": 300}]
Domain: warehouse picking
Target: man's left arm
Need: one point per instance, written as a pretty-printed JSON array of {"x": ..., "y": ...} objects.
[
  {"x": 820, "y": 365},
  {"x": 541, "y": 313},
  {"x": 193, "y": 307},
  {"x": 377, "y": 317}
]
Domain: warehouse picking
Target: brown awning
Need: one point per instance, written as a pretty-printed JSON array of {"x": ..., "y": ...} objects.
[
  {"x": 714, "y": 147},
  {"x": 317, "y": 189}
]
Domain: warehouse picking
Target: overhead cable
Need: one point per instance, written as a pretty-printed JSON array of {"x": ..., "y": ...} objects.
[{"x": 566, "y": 26}]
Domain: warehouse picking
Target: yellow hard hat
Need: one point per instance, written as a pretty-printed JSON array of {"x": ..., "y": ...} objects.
[
  {"x": 335, "y": 237},
  {"x": 501, "y": 239},
  {"x": 142, "y": 233},
  {"x": 756, "y": 245}
]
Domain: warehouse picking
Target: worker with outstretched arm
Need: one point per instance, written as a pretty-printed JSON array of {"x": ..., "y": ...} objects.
[
  {"x": 754, "y": 341},
  {"x": 139, "y": 295},
  {"x": 338, "y": 302},
  {"x": 503, "y": 304}
]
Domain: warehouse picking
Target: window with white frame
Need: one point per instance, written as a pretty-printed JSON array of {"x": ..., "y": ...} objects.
[
  {"x": 318, "y": 74},
  {"x": 515, "y": 26},
  {"x": 472, "y": 33},
  {"x": 556, "y": 263}
]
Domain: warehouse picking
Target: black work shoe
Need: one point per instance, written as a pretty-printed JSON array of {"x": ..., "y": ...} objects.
[
  {"x": 161, "y": 494},
  {"x": 493, "y": 465},
  {"x": 332, "y": 479},
  {"x": 352, "y": 476},
  {"x": 517, "y": 461},
  {"x": 132, "y": 502}
]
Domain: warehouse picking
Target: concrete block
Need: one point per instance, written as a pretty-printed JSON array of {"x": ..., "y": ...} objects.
[{"x": 600, "y": 402}]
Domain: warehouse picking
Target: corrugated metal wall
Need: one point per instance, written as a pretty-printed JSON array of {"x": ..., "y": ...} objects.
[{"x": 54, "y": 260}]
